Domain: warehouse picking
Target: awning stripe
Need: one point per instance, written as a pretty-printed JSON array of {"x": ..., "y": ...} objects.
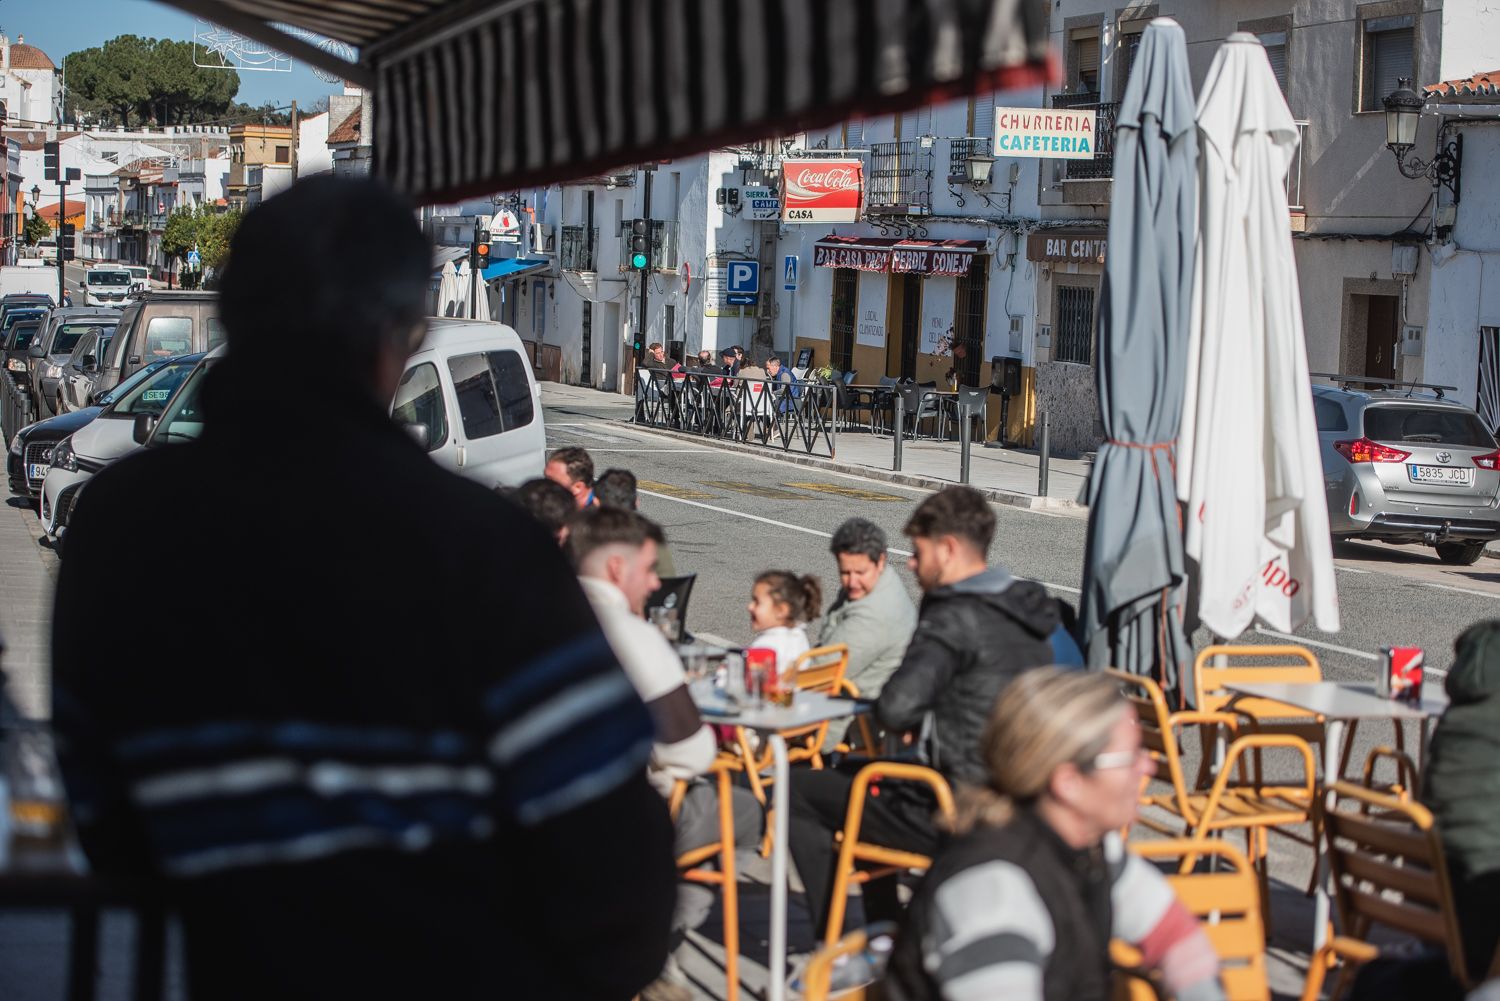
[{"x": 472, "y": 99}]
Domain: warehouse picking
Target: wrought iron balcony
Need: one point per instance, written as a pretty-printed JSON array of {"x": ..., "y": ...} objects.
[
  {"x": 1103, "y": 164},
  {"x": 579, "y": 249},
  {"x": 900, "y": 181},
  {"x": 1294, "y": 172}
]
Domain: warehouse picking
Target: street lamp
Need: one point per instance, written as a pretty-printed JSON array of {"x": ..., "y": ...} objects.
[
  {"x": 1403, "y": 109},
  {"x": 977, "y": 166}
]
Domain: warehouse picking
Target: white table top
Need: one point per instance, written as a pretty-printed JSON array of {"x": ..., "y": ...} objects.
[
  {"x": 806, "y": 709},
  {"x": 1344, "y": 700}
]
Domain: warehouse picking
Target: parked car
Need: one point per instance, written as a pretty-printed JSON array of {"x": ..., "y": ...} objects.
[
  {"x": 161, "y": 325},
  {"x": 17, "y": 342},
  {"x": 31, "y": 447},
  {"x": 106, "y": 285},
  {"x": 469, "y": 397},
  {"x": 49, "y": 352},
  {"x": 27, "y": 299},
  {"x": 76, "y": 389},
  {"x": 45, "y": 249},
  {"x": 113, "y": 433},
  {"x": 1407, "y": 466},
  {"x": 10, "y": 317}
]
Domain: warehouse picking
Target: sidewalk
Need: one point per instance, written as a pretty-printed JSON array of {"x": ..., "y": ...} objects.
[
  {"x": 27, "y": 575},
  {"x": 1007, "y": 475}
]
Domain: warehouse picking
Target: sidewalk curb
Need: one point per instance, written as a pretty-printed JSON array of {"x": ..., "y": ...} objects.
[{"x": 1008, "y": 497}]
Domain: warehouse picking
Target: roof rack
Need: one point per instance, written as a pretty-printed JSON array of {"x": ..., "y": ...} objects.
[{"x": 1360, "y": 380}]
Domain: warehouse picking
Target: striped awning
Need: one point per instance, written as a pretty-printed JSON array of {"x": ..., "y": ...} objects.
[{"x": 475, "y": 97}]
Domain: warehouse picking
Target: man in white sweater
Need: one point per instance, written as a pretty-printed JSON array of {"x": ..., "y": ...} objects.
[{"x": 614, "y": 552}]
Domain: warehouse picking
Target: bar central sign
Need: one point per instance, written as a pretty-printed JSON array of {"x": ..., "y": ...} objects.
[{"x": 1067, "y": 247}]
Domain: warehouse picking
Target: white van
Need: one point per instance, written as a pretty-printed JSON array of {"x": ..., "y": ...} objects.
[
  {"x": 106, "y": 285},
  {"x": 469, "y": 397}
]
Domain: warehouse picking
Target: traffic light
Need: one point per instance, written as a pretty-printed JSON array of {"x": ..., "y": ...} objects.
[
  {"x": 640, "y": 245},
  {"x": 65, "y": 241},
  {"x": 49, "y": 161},
  {"x": 482, "y": 249}
]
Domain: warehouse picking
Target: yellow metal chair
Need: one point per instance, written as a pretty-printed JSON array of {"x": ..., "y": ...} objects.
[
  {"x": 691, "y": 863},
  {"x": 818, "y": 973},
  {"x": 868, "y": 746},
  {"x": 1228, "y": 903},
  {"x": 1249, "y": 804},
  {"x": 890, "y": 860}
]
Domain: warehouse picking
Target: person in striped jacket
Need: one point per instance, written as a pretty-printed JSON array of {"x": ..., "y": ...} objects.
[{"x": 1023, "y": 903}]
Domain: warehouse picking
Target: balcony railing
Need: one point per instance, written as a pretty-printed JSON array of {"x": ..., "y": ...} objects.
[
  {"x": 1103, "y": 163},
  {"x": 900, "y": 181},
  {"x": 1294, "y": 172},
  {"x": 579, "y": 248},
  {"x": 664, "y": 245},
  {"x": 959, "y": 151}
]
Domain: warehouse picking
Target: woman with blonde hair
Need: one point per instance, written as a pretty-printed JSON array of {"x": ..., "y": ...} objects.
[{"x": 1023, "y": 902}]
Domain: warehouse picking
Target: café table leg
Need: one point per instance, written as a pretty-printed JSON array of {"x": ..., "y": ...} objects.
[
  {"x": 782, "y": 770},
  {"x": 1333, "y": 741}
]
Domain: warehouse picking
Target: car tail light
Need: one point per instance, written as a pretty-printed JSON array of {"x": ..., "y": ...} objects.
[
  {"x": 1365, "y": 450},
  {"x": 1353, "y": 504},
  {"x": 1490, "y": 461}
]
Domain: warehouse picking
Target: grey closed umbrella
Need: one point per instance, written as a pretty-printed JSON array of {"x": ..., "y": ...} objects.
[{"x": 1134, "y": 571}]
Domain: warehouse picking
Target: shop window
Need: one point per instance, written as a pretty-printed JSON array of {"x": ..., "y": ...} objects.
[{"x": 1073, "y": 325}]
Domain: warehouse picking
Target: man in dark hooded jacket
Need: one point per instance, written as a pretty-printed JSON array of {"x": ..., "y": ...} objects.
[
  {"x": 1462, "y": 788},
  {"x": 978, "y": 628}
]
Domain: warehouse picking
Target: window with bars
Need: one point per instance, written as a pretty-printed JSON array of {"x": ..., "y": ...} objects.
[
  {"x": 1073, "y": 325},
  {"x": 900, "y": 179},
  {"x": 968, "y": 321},
  {"x": 841, "y": 324},
  {"x": 1389, "y": 53}
]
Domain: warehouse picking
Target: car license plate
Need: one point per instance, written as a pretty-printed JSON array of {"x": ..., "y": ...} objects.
[
  {"x": 1450, "y": 475},
  {"x": 36, "y": 471}
]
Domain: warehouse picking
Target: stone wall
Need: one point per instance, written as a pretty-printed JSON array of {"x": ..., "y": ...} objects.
[{"x": 1065, "y": 392}]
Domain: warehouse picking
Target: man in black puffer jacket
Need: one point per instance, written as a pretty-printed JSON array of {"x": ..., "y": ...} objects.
[{"x": 978, "y": 628}]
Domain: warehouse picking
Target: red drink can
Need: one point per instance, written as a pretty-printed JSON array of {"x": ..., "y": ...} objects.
[
  {"x": 760, "y": 671},
  {"x": 1404, "y": 670}
]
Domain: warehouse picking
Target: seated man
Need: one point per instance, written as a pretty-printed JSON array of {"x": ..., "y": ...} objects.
[
  {"x": 572, "y": 467},
  {"x": 616, "y": 488},
  {"x": 615, "y": 553},
  {"x": 872, "y": 614},
  {"x": 978, "y": 628},
  {"x": 550, "y": 503}
]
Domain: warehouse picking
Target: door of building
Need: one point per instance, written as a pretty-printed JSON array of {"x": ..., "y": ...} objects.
[
  {"x": 905, "y": 326},
  {"x": 841, "y": 326},
  {"x": 586, "y": 330},
  {"x": 968, "y": 321},
  {"x": 1382, "y": 331}
]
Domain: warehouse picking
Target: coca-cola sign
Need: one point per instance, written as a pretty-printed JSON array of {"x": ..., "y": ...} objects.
[{"x": 821, "y": 190}]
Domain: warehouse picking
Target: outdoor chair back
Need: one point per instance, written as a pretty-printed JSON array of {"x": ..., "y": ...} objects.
[
  {"x": 970, "y": 404},
  {"x": 1388, "y": 869},
  {"x": 1227, "y": 902},
  {"x": 691, "y": 865},
  {"x": 919, "y": 405},
  {"x": 674, "y": 593},
  {"x": 817, "y": 977}
]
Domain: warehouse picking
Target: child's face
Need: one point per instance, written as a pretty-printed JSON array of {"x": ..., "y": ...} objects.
[{"x": 765, "y": 611}]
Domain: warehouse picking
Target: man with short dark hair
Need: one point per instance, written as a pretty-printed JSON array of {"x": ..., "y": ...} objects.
[
  {"x": 550, "y": 503},
  {"x": 616, "y": 488},
  {"x": 978, "y": 628},
  {"x": 573, "y": 468},
  {"x": 872, "y": 614},
  {"x": 359, "y": 768},
  {"x": 731, "y": 361}
]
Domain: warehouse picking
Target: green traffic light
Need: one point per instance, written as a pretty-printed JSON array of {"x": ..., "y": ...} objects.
[{"x": 638, "y": 261}]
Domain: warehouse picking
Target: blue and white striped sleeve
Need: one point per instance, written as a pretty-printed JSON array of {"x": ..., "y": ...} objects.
[
  {"x": 990, "y": 936},
  {"x": 566, "y": 728}
]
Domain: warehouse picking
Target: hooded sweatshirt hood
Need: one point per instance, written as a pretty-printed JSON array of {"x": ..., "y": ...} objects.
[
  {"x": 1475, "y": 674},
  {"x": 1025, "y": 601}
]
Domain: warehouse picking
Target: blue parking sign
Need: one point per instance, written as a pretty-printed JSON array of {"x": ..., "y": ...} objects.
[{"x": 744, "y": 277}]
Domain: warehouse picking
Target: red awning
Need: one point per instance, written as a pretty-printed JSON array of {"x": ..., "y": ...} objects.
[{"x": 883, "y": 253}]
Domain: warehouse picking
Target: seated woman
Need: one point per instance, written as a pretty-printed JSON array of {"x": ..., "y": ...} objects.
[{"x": 1023, "y": 903}]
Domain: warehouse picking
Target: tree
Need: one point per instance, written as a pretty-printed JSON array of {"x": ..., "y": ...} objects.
[
  {"x": 137, "y": 80},
  {"x": 204, "y": 228},
  {"x": 36, "y": 230}
]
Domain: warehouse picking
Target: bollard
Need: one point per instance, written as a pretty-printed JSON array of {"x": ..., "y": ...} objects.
[
  {"x": 900, "y": 420},
  {"x": 1046, "y": 455},
  {"x": 964, "y": 435}
]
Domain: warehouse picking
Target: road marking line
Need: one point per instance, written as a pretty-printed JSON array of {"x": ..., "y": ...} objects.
[
  {"x": 755, "y": 490},
  {"x": 1352, "y": 569},
  {"x": 755, "y": 517},
  {"x": 1348, "y": 651},
  {"x": 672, "y": 491},
  {"x": 636, "y": 451},
  {"x": 852, "y": 493},
  {"x": 1450, "y": 587}
]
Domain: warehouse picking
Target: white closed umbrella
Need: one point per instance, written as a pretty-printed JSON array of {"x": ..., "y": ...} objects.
[
  {"x": 447, "y": 290},
  {"x": 482, "y": 300},
  {"x": 1248, "y": 473},
  {"x": 461, "y": 301}
]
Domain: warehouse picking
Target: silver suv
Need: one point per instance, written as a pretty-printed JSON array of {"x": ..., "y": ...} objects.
[{"x": 1403, "y": 465}]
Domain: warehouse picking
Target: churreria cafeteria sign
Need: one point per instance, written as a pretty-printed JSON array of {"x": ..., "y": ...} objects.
[{"x": 1061, "y": 133}]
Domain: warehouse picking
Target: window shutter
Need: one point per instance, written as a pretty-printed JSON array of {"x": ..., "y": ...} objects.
[
  {"x": 1274, "y": 43},
  {"x": 1392, "y": 60},
  {"x": 1086, "y": 63},
  {"x": 984, "y": 116},
  {"x": 923, "y": 122},
  {"x": 854, "y": 133}
]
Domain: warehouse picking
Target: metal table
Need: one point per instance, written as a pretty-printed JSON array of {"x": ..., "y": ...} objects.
[
  {"x": 769, "y": 720},
  {"x": 1338, "y": 703}
]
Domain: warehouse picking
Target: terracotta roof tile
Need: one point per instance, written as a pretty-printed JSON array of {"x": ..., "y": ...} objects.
[
  {"x": 50, "y": 211},
  {"x": 33, "y": 139},
  {"x": 348, "y": 130},
  {"x": 29, "y": 57},
  {"x": 1480, "y": 85}
]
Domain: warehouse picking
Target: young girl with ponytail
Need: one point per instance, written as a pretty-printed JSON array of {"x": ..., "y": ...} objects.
[{"x": 781, "y": 605}]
